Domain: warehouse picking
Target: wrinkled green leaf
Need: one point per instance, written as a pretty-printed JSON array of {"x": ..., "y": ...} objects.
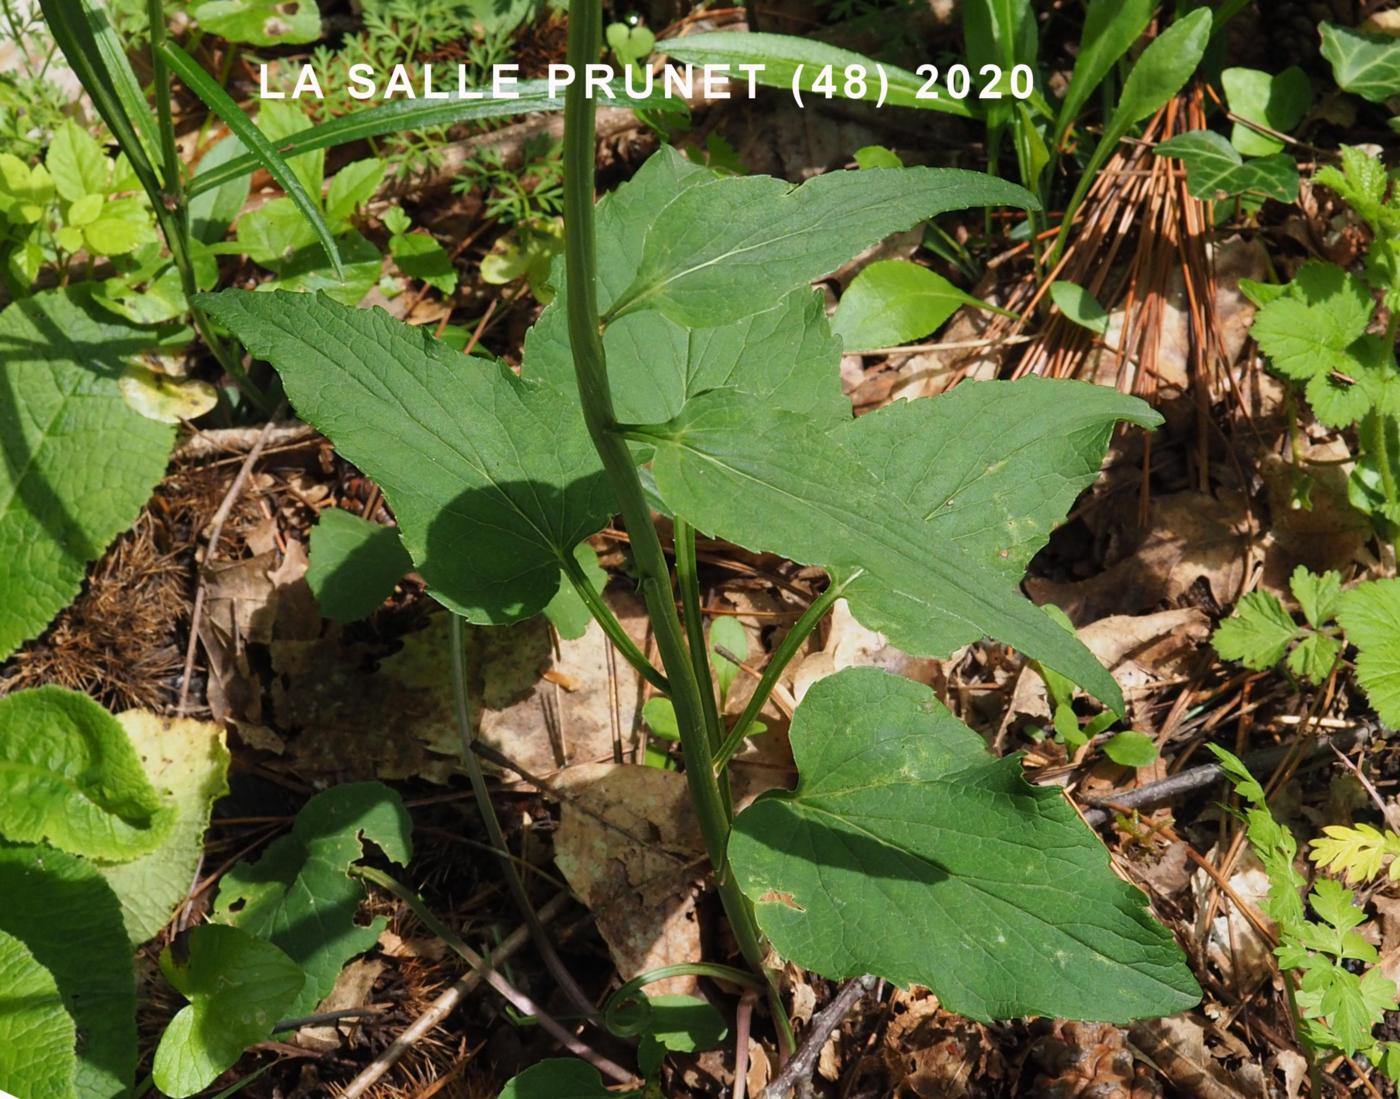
[
  {"x": 834, "y": 499},
  {"x": 893, "y": 302},
  {"x": 906, "y": 845},
  {"x": 238, "y": 986},
  {"x": 1215, "y": 169},
  {"x": 298, "y": 895},
  {"x": 727, "y": 248},
  {"x": 487, "y": 513},
  {"x": 76, "y": 463},
  {"x": 557, "y": 1078},
  {"x": 1080, "y": 306},
  {"x": 354, "y": 565},
  {"x": 187, "y": 761},
  {"x": 70, "y": 777},
  {"x": 69, "y": 920},
  {"x": 1370, "y": 614},
  {"x": 1257, "y": 634},
  {"x": 37, "y": 1035},
  {"x": 1367, "y": 65},
  {"x": 1278, "y": 101}
]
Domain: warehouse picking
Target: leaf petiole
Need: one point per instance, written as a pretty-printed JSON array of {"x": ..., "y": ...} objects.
[
  {"x": 782, "y": 657},
  {"x": 603, "y": 615}
]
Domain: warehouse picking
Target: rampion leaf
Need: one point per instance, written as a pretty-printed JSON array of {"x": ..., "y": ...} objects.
[
  {"x": 354, "y": 565},
  {"x": 907, "y": 851},
  {"x": 492, "y": 478}
]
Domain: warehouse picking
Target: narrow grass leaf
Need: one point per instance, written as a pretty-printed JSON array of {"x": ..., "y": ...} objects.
[
  {"x": 1110, "y": 29},
  {"x": 217, "y": 100}
]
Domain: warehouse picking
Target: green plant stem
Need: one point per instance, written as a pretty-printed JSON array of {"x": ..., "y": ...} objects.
[
  {"x": 590, "y": 365},
  {"x": 1373, "y": 429},
  {"x": 688, "y": 581},
  {"x": 492, "y": 977},
  {"x": 604, "y": 616},
  {"x": 462, "y": 707},
  {"x": 781, "y": 658}
]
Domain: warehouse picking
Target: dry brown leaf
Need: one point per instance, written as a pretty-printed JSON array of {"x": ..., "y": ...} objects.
[
  {"x": 1176, "y": 1045},
  {"x": 629, "y": 846},
  {"x": 352, "y": 990},
  {"x": 930, "y": 1054},
  {"x": 1190, "y": 537}
]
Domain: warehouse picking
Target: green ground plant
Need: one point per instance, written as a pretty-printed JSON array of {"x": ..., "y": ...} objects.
[
  {"x": 749, "y": 439},
  {"x": 1336, "y": 988}
]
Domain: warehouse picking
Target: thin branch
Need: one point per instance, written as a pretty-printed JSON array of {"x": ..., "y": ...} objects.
[
  {"x": 797, "y": 1073},
  {"x": 491, "y": 976}
]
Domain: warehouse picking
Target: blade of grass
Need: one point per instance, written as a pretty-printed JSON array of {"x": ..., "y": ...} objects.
[
  {"x": 73, "y": 33},
  {"x": 118, "y": 68},
  {"x": 405, "y": 115},
  {"x": 219, "y": 101}
]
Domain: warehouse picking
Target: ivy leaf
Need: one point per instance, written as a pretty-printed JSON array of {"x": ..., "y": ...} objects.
[
  {"x": 905, "y": 845},
  {"x": 238, "y": 986},
  {"x": 1215, "y": 169},
  {"x": 894, "y": 301},
  {"x": 1367, "y": 65},
  {"x": 492, "y": 478},
  {"x": 63, "y": 912},
  {"x": 1370, "y": 614},
  {"x": 726, "y": 248},
  {"x": 1278, "y": 101},
  {"x": 299, "y": 897},
  {"x": 65, "y": 433},
  {"x": 1316, "y": 595},
  {"x": 37, "y": 1035},
  {"x": 69, "y": 777},
  {"x": 187, "y": 761},
  {"x": 354, "y": 565},
  {"x": 557, "y": 1078},
  {"x": 1257, "y": 634}
]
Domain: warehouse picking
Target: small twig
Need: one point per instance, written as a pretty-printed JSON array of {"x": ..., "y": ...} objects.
[
  {"x": 219, "y": 441},
  {"x": 797, "y": 1073},
  {"x": 492, "y": 976},
  {"x": 327, "y": 1017},
  {"x": 215, "y": 533},
  {"x": 1179, "y": 785},
  {"x": 742, "y": 1018},
  {"x": 443, "y": 1006}
]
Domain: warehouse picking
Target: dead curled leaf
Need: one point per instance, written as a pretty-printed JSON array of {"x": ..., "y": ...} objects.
[
  {"x": 629, "y": 845},
  {"x": 1177, "y": 1047}
]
